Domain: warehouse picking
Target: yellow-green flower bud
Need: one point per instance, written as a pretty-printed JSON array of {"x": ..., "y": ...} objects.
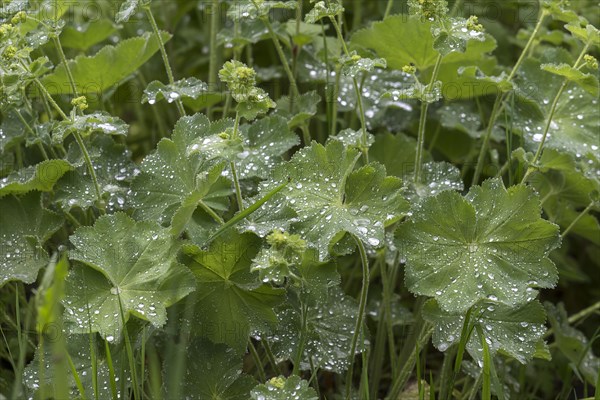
[
  {"x": 80, "y": 102},
  {"x": 591, "y": 61},
  {"x": 409, "y": 69},
  {"x": 473, "y": 24},
  {"x": 19, "y": 17},
  {"x": 9, "y": 52},
  {"x": 278, "y": 382}
]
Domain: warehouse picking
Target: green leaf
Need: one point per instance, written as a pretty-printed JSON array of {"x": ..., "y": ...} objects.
[
  {"x": 172, "y": 175},
  {"x": 24, "y": 227},
  {"x": 587, "y": 81},
  {"x": 512, "y": 331},
  {"x": 114, "y": 171},
  {"x": 397, "y": 153},
  {"x": 415, "y": 49},
  {"x": 123, "y": 265},
  {"x": 305, "y": 107},
  {"x": 584, "y": 31},
  {"x": 330, "y": 197},
  {"x": 453, "y": 35},
  {"x": 321, "y": 9},
  {"x": 491, "y": 244},
  {"x": 264, "y": 143},
  {"x": 108, "y": 67},
  {"x": 355, "y": 65},
  {"x": 573, "y": 344},
  {"x": 230, "y": 301},
  {"x": 87, "y": 124},
  {"x": 41, "y": 177},
  {"x": 249, "y": 9},
  {"x": 436, "y": 177},
  {"x": 281, "y": 388},
  {"x": 212, "y": 371},
  {"x": 127, "y": 10},
  {"x": 330, "y": 324},
  {"x": 38, "y": 376},
  {"x": 188, "y": 87},
  {"x": 84, "y": 36},
  {"x": 576, "y": 121}
]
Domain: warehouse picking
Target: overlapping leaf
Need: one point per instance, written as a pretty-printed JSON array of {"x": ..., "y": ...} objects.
[
  {"x": 106, "y": 68},
  {"x": 41, "y": 177},
  {"x": 331, "y": 198},
  {"x": 123, "y": 268},
  {"x": 212, "y": 371},
  {"x": 172, "y": 176},
  {"x": 512, "y": 331},
  {"x": 188, "y": 87},
  {"x": 24, "y": 227},
  {"x": 230, "y": 301},
  {"x": 491, "y": 244}
]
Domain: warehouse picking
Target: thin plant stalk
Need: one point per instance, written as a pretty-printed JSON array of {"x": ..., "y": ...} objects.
[
  {"x": 361, "y": 311},
  {"x": 500, "y": 97},
  {"x": 423, "y": 121},
  {"x": 213, "y": 62},
  {"x": 163, "y": 53},
  {"x": 553, "y": 108}
]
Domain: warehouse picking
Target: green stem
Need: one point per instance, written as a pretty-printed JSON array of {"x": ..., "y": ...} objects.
[
  {"x": 78, "y": 138},
  {"x": 234, "y": 174},
  {"x": 423, "y": 121},
  {"x": 39, "y": 145},
  {"x": 270, "y": 356},
  {"x": 361, "y": 311},
  {"x": 286, "y": 66},
  {"x": 214, "y": 54},
  {"x": 63, "y": 59},
  {"x": 357, "y": 90},
  {"x": 500, "y": 97},
  {"x": 388, "y": 8},
  {"x": 572, "y": 224},
  {"x": 486, "y": 138},
  {"x": 163, "y": 53},
  {"x": 303, "y": 332},
  {"x": 259, "y": 367}
]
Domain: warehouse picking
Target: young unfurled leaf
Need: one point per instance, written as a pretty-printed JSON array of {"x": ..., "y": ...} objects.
[
  {"x": 212, "y": 371},
  {"x": 353, "y": 138},
  {"x": 281, "y": 388},
  {"x": 106, "y": 68},
  {"x": 122, "y": 268},
  {"x": 355, "y": 64},
  {"x": 435, "y": 178},
  {"x": 322, "y": 9},
  {"x": 41, "y": 177},
  {"x": 127, "y": 9},
  {"x": 330, "y": 197},
  {"x": 491, "y": 244},
  {"x": 188, "y": 87},
  {"x": 587, "y": 81},
  {"x": 453, "y": 35},
  {"x": 172, "y": 174},
  {"x": 230, "y": 300},
  {"x": 276, "y": 262},
  {"x": 89, "y": 123},
  {"x": 330, "y": 325},
  {"x": 24, "y": 227},
  {"x": 513, "y": 331},
  {"x": 264, "y": 143},
  {"x": 114, "y": 172}
]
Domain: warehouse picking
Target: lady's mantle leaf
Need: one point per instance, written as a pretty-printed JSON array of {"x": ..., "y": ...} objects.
[
  {"x": 24, "y": 227},
  {"x": 331, "y": 198},
  {"x": 87, "y": 124},
  {"x": 231, "y": 301},
  {"x": 281, "y": 388},
  {"x": 188, "y": 87},
  {"x": 212, "y": 371},
  {"x": 330, "y": 324},
  {"x": 40, "y": 177},
  {"x": 172, "y": 176},
  {"x": 490, "y": 244},
  {"x": 124, "y": 261},
  {"x": 106, "y": 68},
  {"x": 587, "y": 81},
  {"x": 514, "y": 331}
]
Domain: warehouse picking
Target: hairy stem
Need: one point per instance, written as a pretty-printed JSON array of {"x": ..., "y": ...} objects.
[{"x": 163, "y": 53}]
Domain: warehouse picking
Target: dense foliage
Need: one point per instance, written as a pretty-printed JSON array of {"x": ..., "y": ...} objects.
[{"x": 252, "y": 199}]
